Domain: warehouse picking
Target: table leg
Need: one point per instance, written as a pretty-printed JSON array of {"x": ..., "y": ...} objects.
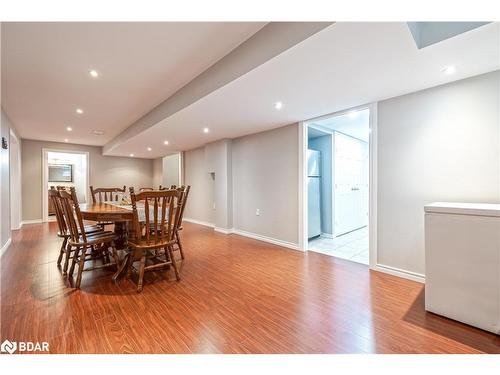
[
  {"x": 121, "y": 233},
  {"x": 124, "y": 266}
]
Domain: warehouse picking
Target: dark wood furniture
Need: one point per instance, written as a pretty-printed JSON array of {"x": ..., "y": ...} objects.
[
  {"x": 100, "y": 244},
  {"x": 108, "y": 213},
  {"x": 51, "y": 208},
  {"x": 106, "y": 195},
  {"x": 184, "y": 192},
  {"x": 166, "y": 188},
  {"x": 55, "y": 200},
  {"x": 154, "y": 230}
]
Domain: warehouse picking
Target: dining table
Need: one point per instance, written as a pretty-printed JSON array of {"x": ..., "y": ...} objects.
[
  {"x": 114, "y": 212},
  {"x": 121, "y": 216}
]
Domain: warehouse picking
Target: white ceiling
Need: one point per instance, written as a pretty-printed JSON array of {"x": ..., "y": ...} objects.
[
  {"x": 354, "y": 123},
  {"x": 45, "y": 72},
  {"x": 343, "y": 66}
]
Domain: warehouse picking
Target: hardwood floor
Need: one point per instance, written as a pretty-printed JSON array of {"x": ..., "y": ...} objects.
[{"x": 237, "y": 295}]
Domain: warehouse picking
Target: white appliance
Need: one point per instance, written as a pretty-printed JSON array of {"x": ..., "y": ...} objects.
[
  {"x": 351, "y": 183},
  {"x": 314, "y": 193},
  {"x": 462, "y": 263}
]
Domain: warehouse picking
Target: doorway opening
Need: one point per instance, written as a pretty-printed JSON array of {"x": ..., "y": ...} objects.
[
  {"x": 64, "y": 168},
  {"x": 15, "y": 182},
  {"x": 337, "y": 185}
]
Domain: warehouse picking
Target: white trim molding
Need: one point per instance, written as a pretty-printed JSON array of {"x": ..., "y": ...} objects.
[
  {"x": 6, "y": 246},
  {"x": 224, "y": 230},
  {"x": 16, "y": 184},
  {"x": 302, "y": 181},
  {"x": 199, "y": 222},
  {"x": 274, "y": 241},
  {"x": 399, "y": 272},
  {"x": 373, "y": 186},
  {"x": 35, "y": 221}
]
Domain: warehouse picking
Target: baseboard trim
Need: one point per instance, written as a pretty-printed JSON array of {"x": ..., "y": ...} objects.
[
  {"x": 274, "y": 241},
  {"x": 400, "y": 273},
  {"x": 6, "y": 246},
  {"x": 199, "y": 222},
  {"x": 224, "y": 230},
  {"x": 327, "y": 235},
  {"x": 35, "y": 221}
]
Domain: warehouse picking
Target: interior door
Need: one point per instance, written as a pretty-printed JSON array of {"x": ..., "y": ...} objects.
[{"x": 350, "y": 160}]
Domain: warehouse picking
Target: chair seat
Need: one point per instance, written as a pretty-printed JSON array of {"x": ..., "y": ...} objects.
[
  {"x": 95, "y": 238},
  {"x": 151, "y": 244},
  {"x": 89, "y": 229}
]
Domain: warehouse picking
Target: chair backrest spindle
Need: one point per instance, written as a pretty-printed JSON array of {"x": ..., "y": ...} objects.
[
  {"x": 106, "y": 194},
  {"x": 73, "y": 214},
  {"x": 161, "y": 213}
]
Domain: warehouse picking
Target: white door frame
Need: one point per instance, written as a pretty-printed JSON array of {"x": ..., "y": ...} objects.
[
  {"x": 15, "y": 185},
  {"x": 372, "y": 214},
  {"x": 45, "y": 178}
]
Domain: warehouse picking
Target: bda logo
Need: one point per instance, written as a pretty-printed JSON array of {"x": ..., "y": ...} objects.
[{"x": 8, "y": 347}]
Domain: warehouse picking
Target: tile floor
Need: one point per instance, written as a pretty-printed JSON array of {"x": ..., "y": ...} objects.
[{"x": 351, "y": 246}]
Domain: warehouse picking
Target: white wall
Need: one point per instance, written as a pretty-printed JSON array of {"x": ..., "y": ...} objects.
[
  {"x": 201, "y": 196},
  {"x": 258, "y": 171},
  {"x": 218, "y": 162},
  {"x": 439, "y": 144},
  {"x": 171, "y": 170},
  {"x": 6, "y": 127},
  {"x": 15, "y": 181},
  {"x": 157, "y": 172},
  {"x": 265, "y": 176},
  {"x": 4, "y": 183}
]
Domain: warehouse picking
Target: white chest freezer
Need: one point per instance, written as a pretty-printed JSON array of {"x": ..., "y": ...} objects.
[{"x": 462, "y": 263}]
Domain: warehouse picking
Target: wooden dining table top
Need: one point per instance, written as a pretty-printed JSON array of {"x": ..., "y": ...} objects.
[{"x": 105, "y": 212}]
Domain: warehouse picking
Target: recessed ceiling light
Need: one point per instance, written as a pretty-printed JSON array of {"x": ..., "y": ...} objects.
[
  {"x": 165, "y": 142},
  {"x": 66, "y": 140},
  {"x": 79, "y": 111},
  {"x": 149, "y": 148},
  {"x": 131, "y": 155},
  {"x": 93, "y": 73},
  {"x": 98, "y": 132},
  {"x": 69, "y": 128},
  {"x": 206, "y": 130},
  {"x": 278, "y": 105},
  {"x": 353, "y": 114},
  {"x": 450, "y": 69}
]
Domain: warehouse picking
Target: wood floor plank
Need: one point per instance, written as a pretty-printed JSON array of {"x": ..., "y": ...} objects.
[{"x": 236, "y": 295}]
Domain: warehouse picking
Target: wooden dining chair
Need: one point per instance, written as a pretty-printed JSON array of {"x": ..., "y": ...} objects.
[
  {"x": 106, "y": 194},
  {"x": 63, "y": 229},
  {"x": 100, "y": 195},
  {"x": 159, "y": 210},
  {"x": 184, "y": 192},
  {"x": 167, "y": 188},
  {"x": 86, "y": 246}
]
